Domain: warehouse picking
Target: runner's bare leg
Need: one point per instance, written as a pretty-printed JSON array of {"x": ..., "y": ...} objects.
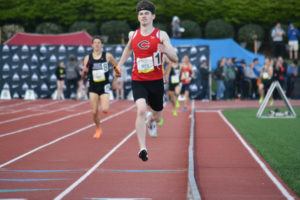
[
  {"x": 94, "y": 100},
  {"x": 140, "y": 122}
]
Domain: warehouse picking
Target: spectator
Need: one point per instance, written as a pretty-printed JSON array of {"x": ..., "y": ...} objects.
[
  {"x": 244, "y": 81},
  {"x": 120, "y": 84},
  {"x": 79, "y": 93},
  {"x": 204, "y": 74},
  {"x": 72, "y": 77},
  {"x": 250, "y": 75},
  {"x": 219, "y": 76},
  {"x": 186, "y": 73},
  {"x": 60, "y": 73},
  {"x": 278, "y": 75},
  {"x": 237, "y": 87},
  {"x": 293, "y": 34},
  {"x": 230, "y": 76},
  {"x": 292, "y": 73},
  {"x": 177, "y": 30},
  {"x": 277, "y": 36},
  {"x": 256, "y": 67},
  {"x": 266, "y": 75}
]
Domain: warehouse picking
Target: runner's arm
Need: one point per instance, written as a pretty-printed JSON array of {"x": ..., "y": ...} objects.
[
  {"x": 168, "y": 69},
  {"x": 126, "y": 53},
  {"x": 111, "y": 59},
  {"x": 85, "y": 67},
  {"x": 114, "y": 63},
  {"x": 193, "y": 72},
  {"x": 166, "y": 47}
]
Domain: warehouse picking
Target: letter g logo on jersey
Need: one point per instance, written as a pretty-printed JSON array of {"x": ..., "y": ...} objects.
[{"x": 144, "y": 44}]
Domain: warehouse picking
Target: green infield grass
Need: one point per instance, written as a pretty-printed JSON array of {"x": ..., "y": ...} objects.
[{"x": 276, "y": 140}]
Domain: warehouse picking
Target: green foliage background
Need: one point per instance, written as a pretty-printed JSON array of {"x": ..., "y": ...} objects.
[{"x": 29, "y": 13}]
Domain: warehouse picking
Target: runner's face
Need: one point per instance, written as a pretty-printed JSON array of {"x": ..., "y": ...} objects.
[
  {"x": 186, "y": 59},
  {"x": 145, "y": 17},
  {"x": 97, "y": 44}
]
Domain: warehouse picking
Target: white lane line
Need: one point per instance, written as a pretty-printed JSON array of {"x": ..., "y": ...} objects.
[
  {"x": 207, "y": 111},
  {"x": 65, "y": 136},
  {"x": 43, "y": 113},
  {"x": 100, "y": 198},
  {"x": 30, "y": 108},
  {"x": 258, "y": 160},
  {"x": 222, "y": 107},
  {"x": 43, "y": 124},
  {"x": 13, "y": 105},
  {"x": 14, "y": 199},
  {"x": 193, "y": 191},
  {"x": 91, "y": 170}
]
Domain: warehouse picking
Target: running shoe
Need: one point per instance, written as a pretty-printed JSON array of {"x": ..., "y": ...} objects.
[
  {"x": 271, "y": 102},
  {"x": 177, "y": 104},
  {"x": 97, "y": 134},
  {"x": 143, "y": 155},
  {"x": 175, "y": 112},
  {"x": 152, "y": 129},
  {"x": 260, "y": 100},
  {"x": 161, "y": 122}
]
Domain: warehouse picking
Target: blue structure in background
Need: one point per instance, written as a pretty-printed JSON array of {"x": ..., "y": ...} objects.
[{"x": 221, "y": 48}]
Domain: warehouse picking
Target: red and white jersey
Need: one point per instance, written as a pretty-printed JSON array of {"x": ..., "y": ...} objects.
[
  {"x": 186, "y": 74},
  {"x": 147, "y": 59}
]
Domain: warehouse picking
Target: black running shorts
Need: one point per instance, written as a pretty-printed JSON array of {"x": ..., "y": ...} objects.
[
  {"x": 151, "y": 91},
  {"x": 100, "y": 88},
  {"x": 172, "y": 86},
  {"x": 185, "y": 87}
]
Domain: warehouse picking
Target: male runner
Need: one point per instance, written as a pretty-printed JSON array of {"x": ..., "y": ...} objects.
[
  {"x": 96, "y": 66},
  {"x": 148, "y": 45}
]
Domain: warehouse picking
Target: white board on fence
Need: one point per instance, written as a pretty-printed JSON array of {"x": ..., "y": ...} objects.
[
  {"x": 29, "y": 94},
  {"x": 5, "y": 94}
]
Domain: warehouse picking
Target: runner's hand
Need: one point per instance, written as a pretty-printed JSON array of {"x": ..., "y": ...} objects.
[
  {"x": 161, "y": 48},
  {"x": 83, "y": 74},
  {"x": 166, "y": 79},
  {"x": 117, "y": 71}
]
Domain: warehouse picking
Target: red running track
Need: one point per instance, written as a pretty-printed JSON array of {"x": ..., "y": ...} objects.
[
  {"x": 55, "y": 155},
  {"x": 224, "y": 167},
  {"x": 47, "y": 152}
]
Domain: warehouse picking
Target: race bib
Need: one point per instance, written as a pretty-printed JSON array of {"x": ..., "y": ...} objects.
[
  {"x": 186, "y": 74},
  {"x": 265, "y": 75},
  {"x": 98, "y": 75},
  {"x": 174, "y": 79},
  {"x": 157, "y": 58},
  {"x": 145, "y": 65},
  {"x": 107, "y": 88}
]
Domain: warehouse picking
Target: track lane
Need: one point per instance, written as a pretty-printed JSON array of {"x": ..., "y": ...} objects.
[
  {"x": 79, "y": 152},
  {"x": 34, "y": 138},
  {"x": 163, "y": 176},
  {"x": 5, "y": 104},
  {"x": 32, "y": 116},
  {"x": 61, "y": 164},
  {"x": 29, "y": 108},
  {"x": 224, "y": 169}
]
